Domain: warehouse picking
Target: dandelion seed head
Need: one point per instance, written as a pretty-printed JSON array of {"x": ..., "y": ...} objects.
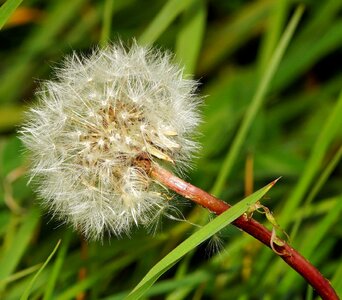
[{"x": 94, "y": 120}]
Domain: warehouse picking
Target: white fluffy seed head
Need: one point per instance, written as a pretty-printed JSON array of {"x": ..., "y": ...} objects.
[{"x": 91, "y": 124}]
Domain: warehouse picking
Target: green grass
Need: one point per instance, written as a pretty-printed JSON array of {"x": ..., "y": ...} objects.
[
  {"x": 7, "y": 10},
  {"x": 195, "y": 240},
  {"x": 272, "y": 85}
]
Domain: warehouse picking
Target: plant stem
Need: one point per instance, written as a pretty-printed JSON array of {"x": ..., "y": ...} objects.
[{"x": 249, "y": 225}]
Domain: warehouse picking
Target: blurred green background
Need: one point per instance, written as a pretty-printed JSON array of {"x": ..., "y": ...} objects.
[{"x": 251, "y": 134}]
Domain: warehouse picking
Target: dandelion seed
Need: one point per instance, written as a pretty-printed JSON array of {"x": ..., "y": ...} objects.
[{"x": 94, "y": 121}]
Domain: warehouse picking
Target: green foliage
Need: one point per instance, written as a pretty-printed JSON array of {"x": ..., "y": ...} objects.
[
  {"x": 7, "y": 10},
  {"x": 272, "y": 91},
  {"x": 195, "y": 240},
  {"x": 27, "y": 291}
]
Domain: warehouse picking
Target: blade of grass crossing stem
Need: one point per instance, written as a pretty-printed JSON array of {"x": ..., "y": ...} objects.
[
  {"x": 256, "y": 103},
  {"x": 16, "y": 249},
  {"x": 28, "y": 289},
  {"x": 189, "y": 39},
  {"x": 7, "y": 9},
  {"x": 311, "y": 241},
  {"x": 57, "y": 267},
  {"x": 194, "y": 240},
  {"x": 164, "y": 18},
  {"x": 107, "y": 22},
  {"x": 331, "y": 127}
]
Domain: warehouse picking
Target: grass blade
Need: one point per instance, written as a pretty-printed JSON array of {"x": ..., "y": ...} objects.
[
  {"x": 41, "y": 38},
  {"x": 7, "y": 9},
  {"x": 16, "y": 249},
  {"x": 28, "y": 289},
  {"x": 21, "y": 274},
  {"x": 189, "y": 39},
  {"x": 312, "y": 241},
  {"x": 164, "y": 18},
  {"x": 276, "y": 22},
  {"x": 194, "y": 240},
  {"x": 57, "y": 267},
  {"x": 107, "y": 22},
  {"x": 331, "y": 127},
  {"x": 256, "y": 103},
  {"x": 221, "y": 41},
  {"x": 319, "y": 184},
  {"x": 336, "y": 281}
]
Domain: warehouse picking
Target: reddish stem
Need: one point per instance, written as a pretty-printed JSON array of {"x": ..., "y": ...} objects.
[{"x": 249, "y": 225}]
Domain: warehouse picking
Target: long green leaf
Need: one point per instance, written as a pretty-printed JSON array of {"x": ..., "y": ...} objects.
[
  {"x": 331, "y": 127},
  {"x": 107, "y": 22},
  {"x": 7, "y": 9},
  {"x": 311, "y": 169},
  {"x": 194, "y": 240},
  {"x": 319, "y": 184},
  {"x": 57, "y": 267},
  {"x": 221, "y": 41},
  {"x": 189, "y": 39},
  {"x": 256, "y": 103},
  {"x": 190, "y": 280},
  {"x": 20, "y": 241},
  {"x": 164, "y": 18},
  {"x": 27, "y": 291},
  {"x": 20, "y": 274},
  {"x": 41, "y": 38},
  {"x": 107, "y": 271},
  {"x": 276, "y": 21},
  {"x": 336, "y": 281}
]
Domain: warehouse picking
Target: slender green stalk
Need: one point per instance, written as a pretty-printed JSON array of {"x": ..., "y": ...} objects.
[
  {"x": 12, "y": 255},
  {"x": 276, "y": 21},
  {"x": 7, "y": 9},
  {"x": 189, "y": 38},
  {"x": 27, "y": 291},
  {"x": 57, "y": 267},
  {"x": 167, "y": 14},
  {"x": 107, "y": 22},
  {"x": 328, "y": 132},
  {"x": 319, "y": 184},
  {"x": 256, "y": 103}
]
